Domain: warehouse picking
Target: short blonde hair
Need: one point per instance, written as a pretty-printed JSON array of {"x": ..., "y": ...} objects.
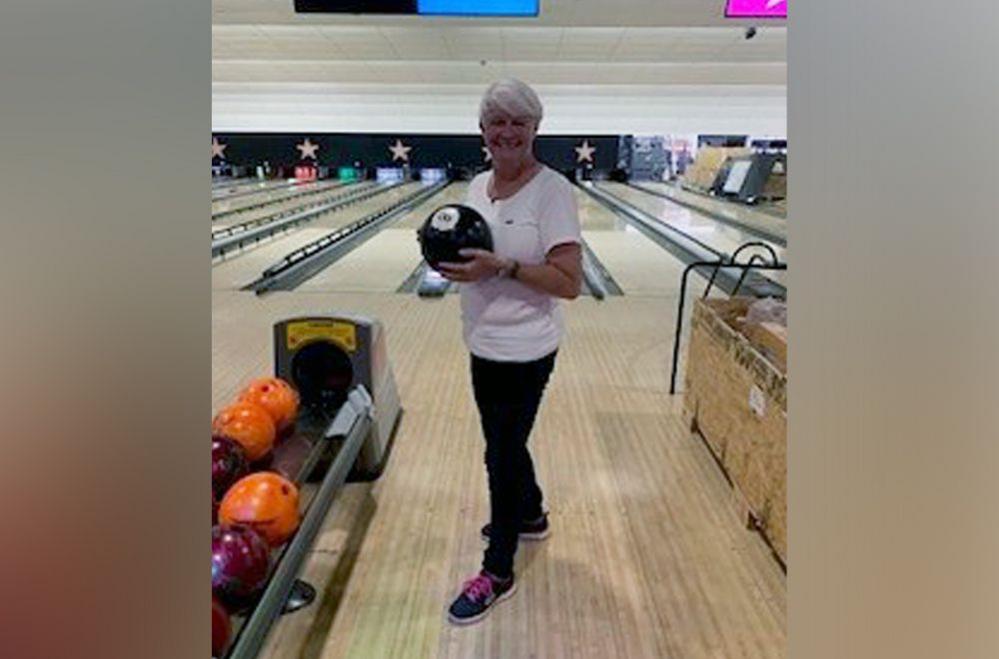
[{"x": 512, "y": 97}]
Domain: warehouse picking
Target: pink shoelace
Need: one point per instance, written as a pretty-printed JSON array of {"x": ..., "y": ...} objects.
[{"x": 478, "y": 588}]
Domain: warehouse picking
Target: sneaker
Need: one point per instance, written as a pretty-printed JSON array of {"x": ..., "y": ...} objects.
[
  {"x": 478, "y": 595},
  {"x": 535, "y": 530}
]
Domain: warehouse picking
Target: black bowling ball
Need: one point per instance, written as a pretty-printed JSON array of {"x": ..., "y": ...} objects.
[{"x": 449, "y": 229}]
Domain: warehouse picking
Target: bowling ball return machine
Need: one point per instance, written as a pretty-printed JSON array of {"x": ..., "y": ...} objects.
[{"x": 348, "y": 416}]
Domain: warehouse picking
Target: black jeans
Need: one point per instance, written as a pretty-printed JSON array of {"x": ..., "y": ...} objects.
[{"x": 508, "y": 395}]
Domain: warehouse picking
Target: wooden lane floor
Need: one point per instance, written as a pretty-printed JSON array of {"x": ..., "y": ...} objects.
[
  {"x": 452, "y": 194},
  {"x": 268, "y": 196},
  {"x": 767, "y": 217},
  {"x": 637, "y": 264},
  {"x": 278, "y": 206},
  {"x": 647, "y": 558},
  {"x": 265, "y": 194},
  {"x": 255, "y": 189},
  {"x": 386, "y": 260},
  {"x": 240, "y": 267},
  {"x": 223, "y": 190},
  {"x": 722, "y": 237},
  {"x": 640, "y": 266}
]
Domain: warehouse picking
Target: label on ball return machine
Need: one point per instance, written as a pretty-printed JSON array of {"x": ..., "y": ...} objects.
[{"x": 341, "y": 333}]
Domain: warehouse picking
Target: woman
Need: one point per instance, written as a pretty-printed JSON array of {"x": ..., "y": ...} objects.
[{"x": 512, "y": 323}]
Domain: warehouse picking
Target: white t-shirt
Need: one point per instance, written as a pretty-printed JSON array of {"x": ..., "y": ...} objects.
[{"x": 504, "y": 319}]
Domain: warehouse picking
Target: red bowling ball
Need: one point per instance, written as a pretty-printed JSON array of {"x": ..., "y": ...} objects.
[
  {"x": 240, "y": 565},
  {"x": 221, "y": 628},
  {"x": 228, "y": 464}
]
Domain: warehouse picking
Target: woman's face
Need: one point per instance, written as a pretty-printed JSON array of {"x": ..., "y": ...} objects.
[{"x": 509, "y": 138}]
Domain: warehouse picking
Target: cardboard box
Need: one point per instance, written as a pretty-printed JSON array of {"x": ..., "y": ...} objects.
[{"x": 736, "y": 398}]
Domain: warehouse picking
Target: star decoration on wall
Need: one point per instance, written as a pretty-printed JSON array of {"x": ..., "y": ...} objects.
[
  {"x": 218, "y": 149},
  {"x": 585, "y": 152},
  {"x": 486, "y": 155},
  {"x": 400, "y": 151},
  {"x": 307, "y": 149}
]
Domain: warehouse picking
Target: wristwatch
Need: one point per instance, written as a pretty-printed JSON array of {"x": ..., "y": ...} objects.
[{"x": 509, "y": 271}]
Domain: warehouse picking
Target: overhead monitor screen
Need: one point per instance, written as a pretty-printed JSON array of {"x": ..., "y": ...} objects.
[
  {"x": 477, "y": 7},
  {"x": 756, "y": 9},
  {"x": 356, "y": 6},
  {"x": 422, "y": 7}
]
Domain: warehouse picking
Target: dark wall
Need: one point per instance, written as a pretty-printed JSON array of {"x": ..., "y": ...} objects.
[{"x": 372, "y": 150}]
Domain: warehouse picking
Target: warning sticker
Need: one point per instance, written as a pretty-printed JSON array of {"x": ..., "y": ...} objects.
[
  {"x": 339, "y": 332},
  {"x": 757, "y": 401}
]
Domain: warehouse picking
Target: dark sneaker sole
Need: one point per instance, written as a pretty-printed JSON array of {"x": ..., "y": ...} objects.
[
  {"x": 474, "y": 619},
  {"x": 533, "y": 536}
]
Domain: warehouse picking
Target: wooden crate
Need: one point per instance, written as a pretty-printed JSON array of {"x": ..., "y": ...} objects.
[
  {"x": 771, "y": 340},
  {"x": 775, "y": 187},
  {"x": 702, "y": 172},
  {"x": 736, "y": 399},
  {"x": 776, "y": 523}
]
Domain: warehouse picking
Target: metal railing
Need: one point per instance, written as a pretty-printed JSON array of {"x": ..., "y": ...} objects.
[
  {"x": 352, "y": 425},
  {"x": 755, "y": 263}
]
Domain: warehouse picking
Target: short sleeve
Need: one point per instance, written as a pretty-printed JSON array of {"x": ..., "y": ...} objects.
[
  {"x": 558, "y": 214},
  {"x": 474, "y": 193}
]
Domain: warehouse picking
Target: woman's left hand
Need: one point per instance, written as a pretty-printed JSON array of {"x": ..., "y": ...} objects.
[{"x": 482, "y": 265}]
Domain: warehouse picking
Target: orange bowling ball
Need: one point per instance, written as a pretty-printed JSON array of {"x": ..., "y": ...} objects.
[
  {"x": 251, "y": 426},
  {"x": 277, "y": 397},
  {"x": 266, "y": 502}
]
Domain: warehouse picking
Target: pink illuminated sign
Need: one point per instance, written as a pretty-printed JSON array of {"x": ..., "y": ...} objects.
[{"x": 756, "y": 9}]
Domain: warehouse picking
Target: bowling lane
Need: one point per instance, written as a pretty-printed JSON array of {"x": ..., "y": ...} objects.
[
  {"x": 384, "y": 261},
  {"x": 766, "y": 217},
  {"x": 641, "y": 267},
  {"x": 638, "y": 265},
  {"x": 221, "y": 188},
  {"x": 278, "y": 206},
  {"x": 225, "y": 191},
  {"x": 265, "y": 195},
  {"x": 243, "y": 267},
  {"x": 453, "y": 194},
  {"x": 722, "y": 237},
  {"x": 226, "y": 183}
]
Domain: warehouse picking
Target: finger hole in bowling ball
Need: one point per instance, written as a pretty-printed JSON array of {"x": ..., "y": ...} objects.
[{"x": 323, "y": 374}]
